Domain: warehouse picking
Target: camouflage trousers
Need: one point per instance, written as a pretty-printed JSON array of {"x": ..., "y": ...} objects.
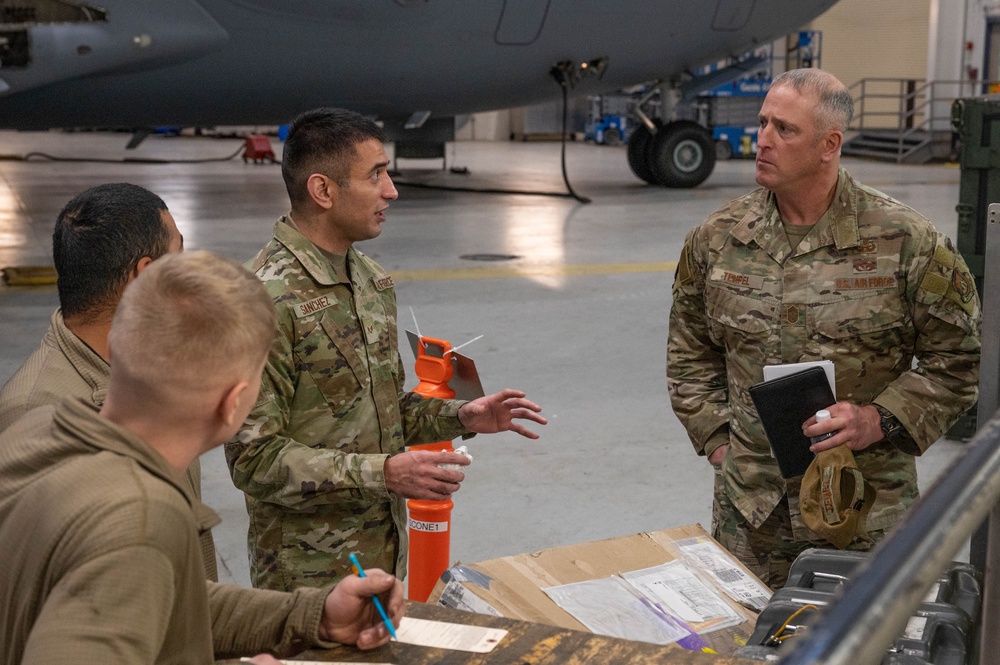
[{"x": 769, "y": 550}]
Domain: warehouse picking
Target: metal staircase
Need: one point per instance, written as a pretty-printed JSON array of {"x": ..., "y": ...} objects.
[{"x": 907, "y": 121}]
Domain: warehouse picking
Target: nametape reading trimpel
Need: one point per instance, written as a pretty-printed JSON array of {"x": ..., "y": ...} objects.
[
  {"x": 312, "y": 306},
  {"x": 429, "y": 527}
]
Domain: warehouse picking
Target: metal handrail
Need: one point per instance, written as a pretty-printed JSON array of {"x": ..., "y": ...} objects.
[
  {"x": 916, "y": 103},
  {"x": 875, "y": 605}
]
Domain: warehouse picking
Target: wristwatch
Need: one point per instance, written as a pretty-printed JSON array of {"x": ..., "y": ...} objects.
[{"x": 889, "y": 423}]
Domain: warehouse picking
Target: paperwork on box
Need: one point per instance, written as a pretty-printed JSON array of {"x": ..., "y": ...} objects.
[
  {"x": 677, "y": 589},
  {"x": 611, "y": 606},
  {"x": 708, "y": 557},
  {"x": 512, "y": 587},
  {"x": 662, "y": 604}
]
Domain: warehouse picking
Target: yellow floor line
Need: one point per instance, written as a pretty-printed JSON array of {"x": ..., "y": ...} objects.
[
  {"x": 29, "y": 275},
  {"x": 496, "y": 272}
]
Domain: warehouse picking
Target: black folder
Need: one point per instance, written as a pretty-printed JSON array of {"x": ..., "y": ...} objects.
[{"x": 783, "y": 405}]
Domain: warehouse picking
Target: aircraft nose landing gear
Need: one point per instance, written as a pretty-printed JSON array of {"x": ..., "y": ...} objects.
[{"x": 680, "y": 154}]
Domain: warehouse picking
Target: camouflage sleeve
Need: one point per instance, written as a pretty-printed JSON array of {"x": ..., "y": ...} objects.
[
  {"x": 272, "y": 467},
  {"x": 944, "y": 382},
  {"x": 696, "y": 364},
  {"x": 246, "y": 622},
  {"x": 428, "y": 419}
]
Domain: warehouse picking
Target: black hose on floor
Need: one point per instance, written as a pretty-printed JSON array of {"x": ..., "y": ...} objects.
[{"x": 565, "y": 113}]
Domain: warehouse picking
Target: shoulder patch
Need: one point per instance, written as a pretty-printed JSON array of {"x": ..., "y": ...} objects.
[
  {"x": 963, "y": 289},
  {"x": 383, "y": 283},
  {"x": 683, "y": 275},
  {"x": 944, "y": 256},
  {"x": 948, "y": 276}
]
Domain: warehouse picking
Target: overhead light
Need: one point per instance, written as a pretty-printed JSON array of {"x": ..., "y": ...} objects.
[
  {"x": 567, "y": 73},
  {"x": 594, "y": 67}
]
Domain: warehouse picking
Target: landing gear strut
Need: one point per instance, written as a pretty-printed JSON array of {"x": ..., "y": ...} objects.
[{"x": 680, "y": 154}]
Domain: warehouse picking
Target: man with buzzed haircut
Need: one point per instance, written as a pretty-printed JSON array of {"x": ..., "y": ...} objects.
[
  {"x": 104, "y": 237},
  {"x": 816, "y": 266},
  {"x": 100, "y": 528},
  {"x": 321, "y": 457}
]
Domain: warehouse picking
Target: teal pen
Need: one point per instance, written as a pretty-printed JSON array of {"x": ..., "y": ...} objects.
[{"x": 378, "y": 603}]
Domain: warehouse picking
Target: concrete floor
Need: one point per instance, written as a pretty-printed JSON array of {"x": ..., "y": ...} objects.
[{"x": 578, "y": 320}]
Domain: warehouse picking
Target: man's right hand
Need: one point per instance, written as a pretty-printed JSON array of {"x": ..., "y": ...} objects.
[
  {"x": 718, "y": 454},
  {"x": 416, "y": 475},
  {"x": 349, "y": 615}
]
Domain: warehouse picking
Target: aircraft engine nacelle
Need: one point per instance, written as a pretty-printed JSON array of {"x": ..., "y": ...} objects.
[{"x": 37, "y": 52}]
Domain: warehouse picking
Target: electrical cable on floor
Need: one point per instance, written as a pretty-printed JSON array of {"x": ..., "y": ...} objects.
[
  {"x": 477, "y": 190},
  {"x": 571, "y": 193},
  {"x": 399, "y": 183},
  {"x": 565, "y": 112},
  {"x": 128, "y": 160}
]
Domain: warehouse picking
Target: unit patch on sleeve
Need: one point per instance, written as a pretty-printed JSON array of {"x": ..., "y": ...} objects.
[
  {"x": 964, "y": 286},
  {"x": 383, "y": 283}
]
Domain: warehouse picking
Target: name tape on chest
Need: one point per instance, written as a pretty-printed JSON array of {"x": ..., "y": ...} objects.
[
  {"x": 738, "y": 279},
  {"x": 868, "y": 282},
  {"x": 310, "y": 307}
]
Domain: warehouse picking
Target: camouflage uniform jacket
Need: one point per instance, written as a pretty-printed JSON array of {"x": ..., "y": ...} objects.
[
  {"x": 872, "y": 287},
  {"x": 63, "y": 365},
  {"x": 331, "y": 410},
  {"x": 102, "y": 534}
]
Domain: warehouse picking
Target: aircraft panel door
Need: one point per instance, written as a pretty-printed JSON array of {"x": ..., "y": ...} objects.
[
  {"x": 732, "y": 15},
  {"x": 521, "y": 22}
]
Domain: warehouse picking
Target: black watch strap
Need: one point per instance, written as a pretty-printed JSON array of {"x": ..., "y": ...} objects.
[{"x": 889, "y": 423}]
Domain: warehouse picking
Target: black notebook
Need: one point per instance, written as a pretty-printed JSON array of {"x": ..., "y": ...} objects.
[{"x": 782, "y": 406}]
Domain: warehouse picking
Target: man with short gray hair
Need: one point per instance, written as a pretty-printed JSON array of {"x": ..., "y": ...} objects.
[{"x": 813, "y": 266}]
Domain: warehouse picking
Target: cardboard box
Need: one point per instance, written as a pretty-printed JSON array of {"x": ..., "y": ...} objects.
[{"x": 513, "y": 586}]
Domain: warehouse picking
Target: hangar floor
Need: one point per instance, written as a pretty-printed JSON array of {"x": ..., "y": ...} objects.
[{"x": 578, "y": 319}]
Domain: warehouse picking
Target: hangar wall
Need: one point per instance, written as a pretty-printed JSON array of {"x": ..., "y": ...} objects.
[
  {"x": 865, "y": 39},
  {"x": 884, "y": 39}
]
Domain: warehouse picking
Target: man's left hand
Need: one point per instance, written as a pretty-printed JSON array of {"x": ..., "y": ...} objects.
[
  {"x": 859, "y": 427},
  {"x": 496, "y": 413}
]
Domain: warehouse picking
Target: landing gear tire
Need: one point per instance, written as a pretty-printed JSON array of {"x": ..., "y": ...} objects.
[
  {"x": 639, "y": 145},
  {"x": 682, "y": 154}
]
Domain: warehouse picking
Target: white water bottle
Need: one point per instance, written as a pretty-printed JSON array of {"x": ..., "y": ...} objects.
[{"x": 822, "y": 415}]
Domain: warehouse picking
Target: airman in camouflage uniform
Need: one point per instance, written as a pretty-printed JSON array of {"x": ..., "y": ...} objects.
[
  {"x": 871, "y": 285},
  {"x": 320, "y": 457}
]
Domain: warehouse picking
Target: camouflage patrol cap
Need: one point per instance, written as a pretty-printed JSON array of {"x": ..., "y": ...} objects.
[{"x": 835, "y": 498}]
